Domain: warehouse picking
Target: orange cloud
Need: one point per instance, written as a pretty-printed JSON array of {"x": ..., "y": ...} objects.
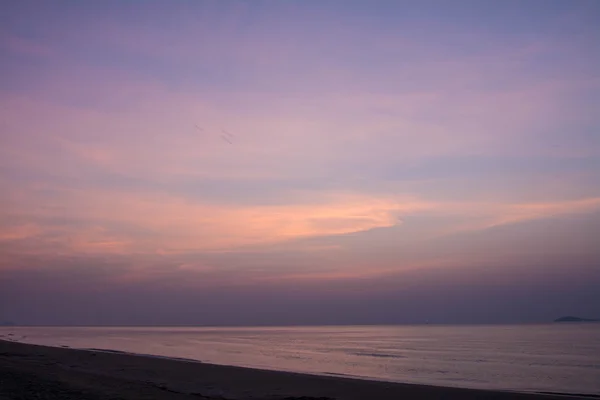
[
  {"x": 516, "y": 213},
  {"x": 481, "y": 216},
  {"x": 166, "y": 223},
  {"x": 19, "y": 232},
  {"x": 188, "y": 226}
]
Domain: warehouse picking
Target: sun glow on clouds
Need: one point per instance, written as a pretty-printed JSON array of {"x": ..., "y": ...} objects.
[
  {"x": 176, "y": 224},
  {"x": 129, "y": 222}
]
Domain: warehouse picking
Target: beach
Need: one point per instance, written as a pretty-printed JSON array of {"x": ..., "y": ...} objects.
[{"x": 40, "y": 372}]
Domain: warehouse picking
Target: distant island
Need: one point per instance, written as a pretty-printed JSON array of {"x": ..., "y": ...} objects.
[{"x": 575, "y": 319}]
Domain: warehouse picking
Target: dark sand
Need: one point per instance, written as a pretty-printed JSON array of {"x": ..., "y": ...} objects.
[{"x": 39, "y": 372}]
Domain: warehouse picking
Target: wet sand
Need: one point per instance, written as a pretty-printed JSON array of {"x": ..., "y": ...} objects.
[{"x": 38, "y": 372}]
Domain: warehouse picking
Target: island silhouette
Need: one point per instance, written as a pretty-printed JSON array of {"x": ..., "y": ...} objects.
[{"x": 575, "y": 319}]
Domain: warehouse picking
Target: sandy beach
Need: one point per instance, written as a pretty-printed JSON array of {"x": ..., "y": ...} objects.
[{"x": 39, "y": 372}]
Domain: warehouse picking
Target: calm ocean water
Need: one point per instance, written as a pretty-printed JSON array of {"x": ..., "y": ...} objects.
[{"x": 556, "y": 358}]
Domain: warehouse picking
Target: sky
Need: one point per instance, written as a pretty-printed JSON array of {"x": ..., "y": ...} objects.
[{"x": 299, "y": 161}]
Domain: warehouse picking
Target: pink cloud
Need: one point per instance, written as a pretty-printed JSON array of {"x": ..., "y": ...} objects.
[{"x": 181, "y": 225}]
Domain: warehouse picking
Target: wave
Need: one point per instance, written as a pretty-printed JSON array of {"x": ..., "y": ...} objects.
[{"x": 380, "y": 355}]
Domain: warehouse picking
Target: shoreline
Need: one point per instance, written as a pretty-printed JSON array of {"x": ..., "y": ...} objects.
[
  {"x": 67, "y": 373},
  {"x": 328, "y": 374},
  {"x": 335, "y": 375}
]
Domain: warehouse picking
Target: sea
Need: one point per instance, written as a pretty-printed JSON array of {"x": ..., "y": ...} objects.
[{"x": 558, "y": 358}]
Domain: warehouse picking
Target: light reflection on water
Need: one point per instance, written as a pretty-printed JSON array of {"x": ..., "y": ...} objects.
[{"x": 558, "y": 358}]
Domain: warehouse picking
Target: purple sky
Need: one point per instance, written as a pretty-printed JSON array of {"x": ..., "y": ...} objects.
[{"x": 384, "y": 161}]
